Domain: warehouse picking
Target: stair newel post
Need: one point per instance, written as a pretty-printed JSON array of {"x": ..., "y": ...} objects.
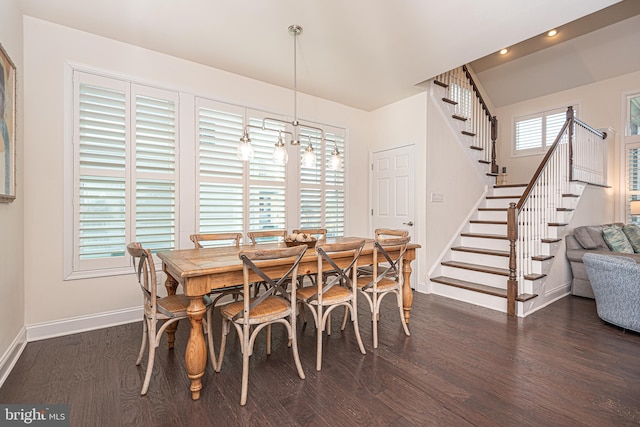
[
  {"x": 494, "y": 137},
  {"x": 570, "y": 117},
  {"x": 512, "y": 236}
]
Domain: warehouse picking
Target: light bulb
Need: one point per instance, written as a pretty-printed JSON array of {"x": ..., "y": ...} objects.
[
  {"x": 309, "y": 157},
  {"x": 245, "y": 150},
  {"x": 335, "y": 161}
]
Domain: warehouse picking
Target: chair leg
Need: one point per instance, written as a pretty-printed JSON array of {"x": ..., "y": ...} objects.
[
  {"x": 145, "y": 337},
  {"x": 245, "y": 365},
  {"x": 319, "y": 335},
  {"x": 152, "y": 356},
  {"x": 344, "y": 318},
  {"x": 374, "y": 319},
  {"x": 212, "y": 352},
  {"x": 294, "y": 346},
  {"x": 268, "y": 339},
  {"x": 223, "y": 343},
  {"x": 356, "y": 326}
]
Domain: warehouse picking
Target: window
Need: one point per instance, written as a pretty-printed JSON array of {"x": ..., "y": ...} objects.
[
  {"x": 126, "y": 168},
  {"x": 125, "y": 181},
  {"x": 535, "y": 133},
  {"x": 633, "y": 180},
  {"x": 633, "y": 114}
]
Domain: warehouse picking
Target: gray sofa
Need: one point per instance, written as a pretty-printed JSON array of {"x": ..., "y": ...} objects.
[
  {"x": 587, "y": 239},
  {"x": 616, "y": 285}
]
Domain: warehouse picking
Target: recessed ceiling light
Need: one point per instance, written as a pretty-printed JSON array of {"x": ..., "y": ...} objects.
[
  {"x": 552, "y": 33},
  {"x": 504, "y": 51}
]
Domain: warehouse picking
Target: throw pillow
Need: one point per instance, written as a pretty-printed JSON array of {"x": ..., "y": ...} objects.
[
  {"x": 616, "y": 239},
  {"x": 632, "y": 231},
  {"x": 582, "y": 236}
]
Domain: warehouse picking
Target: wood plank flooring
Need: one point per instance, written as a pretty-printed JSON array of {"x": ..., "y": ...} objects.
[{"x": 461, "y": 366}]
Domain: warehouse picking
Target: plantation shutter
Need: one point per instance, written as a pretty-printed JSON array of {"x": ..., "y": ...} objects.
[
  {"x": 220, "y": 172},
  {"x": 100, "y": 196},
  {"x": 155, "y": 169},
  {"x": 535, "y": 133},
  {"x": 334, "y": 195}
]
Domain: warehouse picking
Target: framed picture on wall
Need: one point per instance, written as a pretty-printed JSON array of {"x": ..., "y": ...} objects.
[{"x": 7, "y": 128}]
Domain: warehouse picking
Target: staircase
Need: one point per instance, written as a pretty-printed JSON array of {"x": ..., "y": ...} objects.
[
  {"x": 476, "y": 267},
  {"x": 502, "y": 257}
]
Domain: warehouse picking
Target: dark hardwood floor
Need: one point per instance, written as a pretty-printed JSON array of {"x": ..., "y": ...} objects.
[{"x": 463, "y": 365}]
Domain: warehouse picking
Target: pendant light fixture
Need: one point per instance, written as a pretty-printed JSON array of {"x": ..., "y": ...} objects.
[{"x": 280, "y": 156}]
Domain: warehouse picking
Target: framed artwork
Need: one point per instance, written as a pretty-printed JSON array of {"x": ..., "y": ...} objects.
[{"x": 7, "y": 128}]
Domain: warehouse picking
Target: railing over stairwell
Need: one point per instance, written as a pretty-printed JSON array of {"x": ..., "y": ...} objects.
[
  {"x": 480, "y": 125},
  {"x": 579, "y": 153}
]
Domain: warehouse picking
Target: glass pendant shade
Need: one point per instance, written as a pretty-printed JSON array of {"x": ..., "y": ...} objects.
[
  {"x": 245, "y": 150},
  {"x": 280, "y": 155},
  {"x": 335, "y": 161},
  {"x": 309, "y": 157}
]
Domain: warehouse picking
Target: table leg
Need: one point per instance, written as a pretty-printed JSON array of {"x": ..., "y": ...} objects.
[
  {"x": 196, "y": 354},
  {"x": 171, "y": 285},
  {"x": 407, "y": 292}
]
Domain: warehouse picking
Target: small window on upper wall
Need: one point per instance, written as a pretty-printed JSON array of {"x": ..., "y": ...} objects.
[
  {"x": 633, "y": 114},
  {"x": 535, "y": 133}
]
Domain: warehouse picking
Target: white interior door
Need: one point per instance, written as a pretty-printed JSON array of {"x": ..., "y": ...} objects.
[{"x": 393, "y": 179}]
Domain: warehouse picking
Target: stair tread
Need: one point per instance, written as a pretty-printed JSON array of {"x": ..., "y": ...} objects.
[
  {"x": 525, "y": 297},
  {"x": 557, "y": 224},
  {"x": 473, "y": 147},
  {"x": 441, "y": 84},
  {"x": 485, "y": 162},
  {"x": 461, "y": 118},
  {"x": 534, "y": 276},
  {"x": 570, "y": 195},
  {"x": 509, "y": 185},
  {"x": 550, "y": 240},
  {"x": 504, "y": 197},
  {"x": 482, "y": 251},
  {"x": 472, "y": 286},
  {"x": 542, "y": 257},
  {"x": 479, "y": 221},
  {"x": 564, "y": 209},
  {"x": 477, "y": 267},
  {"x": 485, "y": 236},
  {"x": 492, "y": 209},
  {"x": 492, "y": 174},
  {"x": 464, "y": 132},
  {"x": 450, "y": 101}
]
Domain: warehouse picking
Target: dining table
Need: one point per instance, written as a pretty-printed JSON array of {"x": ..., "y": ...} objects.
[{"x": 202, "y": 270}]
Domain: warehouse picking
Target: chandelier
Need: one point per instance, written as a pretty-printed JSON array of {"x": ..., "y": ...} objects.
[{"x": 280, "y": 155}]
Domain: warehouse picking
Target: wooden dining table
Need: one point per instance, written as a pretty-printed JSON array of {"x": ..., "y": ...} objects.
[{"x": 202, "y": 270}]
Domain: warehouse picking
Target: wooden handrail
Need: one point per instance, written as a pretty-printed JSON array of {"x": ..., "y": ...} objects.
[{"x": 477, "y": 91}]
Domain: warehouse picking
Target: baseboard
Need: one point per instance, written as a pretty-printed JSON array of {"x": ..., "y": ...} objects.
[
  {"x": 41, "y": 331},
  {"x": 11, "y": 356}
]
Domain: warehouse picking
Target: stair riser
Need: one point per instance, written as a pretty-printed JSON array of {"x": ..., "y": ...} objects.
[
  {"x": 483, "y": 300},
  {"x": 479, "y": 242},
  {"x": 489, "y": 228},
  {"x": 497, "y": 281},
  {"x": 481, "y": 259},
  {"x": 541, "y": 267},
  {"x": 555, "y": 232},
  {"x": 492, "y": 215},
  {"x": 508, "y": 191},
  {"x": 500, "y": 203}
]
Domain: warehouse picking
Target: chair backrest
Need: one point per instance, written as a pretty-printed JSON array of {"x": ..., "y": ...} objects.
[
  {"x": 265, "y": 236},
  {"x": 220, "y": 239},
  {"x": 389, "y": 249},
  {"x": 318, "y": 233},
  {"x": 146, "y": 271},
  {"x": 258, "y": 261},
  {"x": 346, "y": 276}
]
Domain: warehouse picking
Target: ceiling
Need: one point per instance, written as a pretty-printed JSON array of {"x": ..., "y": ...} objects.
[
  {"x": 360, "y": 53},
  {"x": 596, "y": 47}
]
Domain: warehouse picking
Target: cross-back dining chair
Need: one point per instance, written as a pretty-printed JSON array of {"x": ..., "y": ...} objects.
[
  {"x": 217, "y": 240},
  {"x": 266, "y": 236},
  {"x": 321, "y": 235},
  {"x": 332, "y": 291},
  {"x": 388, "y": 255},
  {"x": 274, "y": 305},
  {"x": 157, "y": 309}
]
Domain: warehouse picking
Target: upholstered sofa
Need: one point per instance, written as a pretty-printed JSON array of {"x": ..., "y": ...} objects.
[
  {"x": 583, "y": 240},
  {"x": 616, "y": 285}
]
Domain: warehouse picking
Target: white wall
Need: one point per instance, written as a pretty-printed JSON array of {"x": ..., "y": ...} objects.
[
  {"x": 399, "y": 124},
  {"x": 11, "y": 215},
  {"x": 47, "y": 48}
]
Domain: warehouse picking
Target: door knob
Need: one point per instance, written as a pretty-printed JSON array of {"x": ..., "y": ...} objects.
[{"x": 410, "y": 223}]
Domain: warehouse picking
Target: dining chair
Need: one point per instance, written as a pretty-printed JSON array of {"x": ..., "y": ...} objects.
[
  {"x": 386, "y": 278},
  {"x": 368, "y": 269},
  {"x": 167, "y": 310},
  {"x": 336, "y": 290},
  {"x": 275, "y": 305},
  {"x": 266, "y": 236},
  {"x": 217, "y": 240}
]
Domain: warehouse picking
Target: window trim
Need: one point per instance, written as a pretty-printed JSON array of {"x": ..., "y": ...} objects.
[{"x": 538, "y": 151}]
